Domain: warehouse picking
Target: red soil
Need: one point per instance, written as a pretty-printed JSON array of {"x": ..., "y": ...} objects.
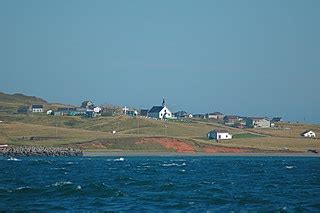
[{"x": 170, "y": 143}]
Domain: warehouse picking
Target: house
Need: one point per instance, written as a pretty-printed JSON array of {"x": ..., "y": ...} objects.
[
  {"x": 70, "y": 111},
  {"x": 97, "y": 110},
  {"x": 182, "y": 114},
  {"x": 258, "y": 122},
  {"x": 160, "y": 112},
  {"x": 215, "y": 115},
  {"x": 219, "y": 135},
  {"x": 276, "y": 119},
  {"x": 132, "y": 113},
  {"x": 50, "y": 112},
  {"x": 23, "y": 110},
  {"x": 144, "y": 112},
  {"x": 201, "y": 116},
  {"x": 37, "y": 108},
  {"x": 87, "y": 105},
  {"x": 231, "y": 120},
  {"x": 308, "y": 134}
]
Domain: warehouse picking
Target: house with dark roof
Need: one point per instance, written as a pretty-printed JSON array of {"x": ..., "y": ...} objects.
[
  {"x": 231, "y": 120},
  {"x": 182, "y": 114},
  {"x": 215, "y": 115},
  {"x": 37, "y": 108},
  {"x": 23, "y": 110},
  {"x": 258, "y": 122},
  {"x": 144, "y": 112},
  {"x": 87, "y": 105},
  {"x": 276, "y": 119},
  {"x": 160, "y": 112}
]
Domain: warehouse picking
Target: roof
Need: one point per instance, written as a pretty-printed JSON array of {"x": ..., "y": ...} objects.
[
  {"x": 276, "y": 119},
  {"x": 66, "y": 109},
  {"x": 180, "y": 113},
  {"x": 215, "y": 113},
  {"x": 259, "y": 118},
  {"x": 37, "y": 106},
  {"x": 231, "y": 117},
  {"x": 155, "y": 109},
  {"x": 306, "y": 131},
  {"x": 220, "y": 131}
]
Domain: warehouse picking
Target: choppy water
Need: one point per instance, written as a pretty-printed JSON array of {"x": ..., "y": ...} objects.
[{"x": 160, "y": 184}]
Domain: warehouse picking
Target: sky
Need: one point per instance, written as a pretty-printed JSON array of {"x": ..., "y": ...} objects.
[{"x": 248, "y": 57}]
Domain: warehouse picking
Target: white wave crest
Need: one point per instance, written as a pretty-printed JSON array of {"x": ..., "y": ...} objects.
[
  {"x": 13, "y": 159},
  {"x": 62, "y": 183},
  {"x": 290, "y": 167},
  {"x": 173, "y": 164},
  {"x": 119, "y": 160}
]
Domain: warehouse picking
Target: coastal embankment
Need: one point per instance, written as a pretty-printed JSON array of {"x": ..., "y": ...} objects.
[{"x": 40, "y": 151}]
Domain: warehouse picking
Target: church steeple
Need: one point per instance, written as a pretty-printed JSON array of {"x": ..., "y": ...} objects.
[{"x": 163, "y": 103}]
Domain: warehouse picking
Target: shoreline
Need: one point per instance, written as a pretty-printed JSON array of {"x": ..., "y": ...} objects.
[{"x": 197, "y": 154}]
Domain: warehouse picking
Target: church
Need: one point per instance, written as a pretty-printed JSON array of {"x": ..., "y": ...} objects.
[{"x": 160, "y": 112}]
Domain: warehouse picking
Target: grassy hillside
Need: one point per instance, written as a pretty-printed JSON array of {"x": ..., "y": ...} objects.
[
  {"x": 139, "y": 134},
  {"x": 20, "y": 98}
]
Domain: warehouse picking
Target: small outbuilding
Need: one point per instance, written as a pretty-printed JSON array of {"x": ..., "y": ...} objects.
[
  {"x": 308, "y": 134},
  {"x": 219, "y": 135}
]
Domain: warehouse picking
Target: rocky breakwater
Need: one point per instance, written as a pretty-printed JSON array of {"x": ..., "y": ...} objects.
[{"x": 39, "y": 151}]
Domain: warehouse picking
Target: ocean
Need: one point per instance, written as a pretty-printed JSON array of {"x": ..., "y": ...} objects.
[{"x": 135, "y": 184}]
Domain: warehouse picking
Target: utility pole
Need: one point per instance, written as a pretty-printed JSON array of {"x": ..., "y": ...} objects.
[
  {"x": 165, "y": 129},
  {"x": 138, "y": 124}
]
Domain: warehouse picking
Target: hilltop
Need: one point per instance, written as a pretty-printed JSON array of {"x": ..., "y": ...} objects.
[
  {"x": 20, "y": 98},
  {"x": 137, "y": 134}
]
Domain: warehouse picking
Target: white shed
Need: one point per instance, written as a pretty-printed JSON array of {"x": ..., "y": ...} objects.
[
  {"x": 219, "y": 135},
  {"x": 308, "y": 134}
]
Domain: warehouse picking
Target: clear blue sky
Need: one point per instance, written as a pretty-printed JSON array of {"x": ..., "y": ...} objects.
[{"x": 255, "y": 58}]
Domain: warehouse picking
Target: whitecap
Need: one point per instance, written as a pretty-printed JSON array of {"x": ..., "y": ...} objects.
[
  {"x": 178, "y": 160},
  {"x": 62, "y": 183},
  {"x": 23, "y": 187},
  {"x": 13, "y": 159},
  {"x": 71, "y": 163},
  {"x": 290, "y": 167},
  {"x": 119, "y": 160},
  {"x": 79, "y": 187},
  {"x": 170, "y": 164},
  {"x": 173, "y": 164}
]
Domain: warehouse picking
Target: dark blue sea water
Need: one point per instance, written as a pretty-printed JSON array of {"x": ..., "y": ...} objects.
[{"x": 214, "y": 184}]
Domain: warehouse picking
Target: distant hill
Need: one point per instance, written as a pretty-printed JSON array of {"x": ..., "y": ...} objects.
[{"x": 20, "y": 98}]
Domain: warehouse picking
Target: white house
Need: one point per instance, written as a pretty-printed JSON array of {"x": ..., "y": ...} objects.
[
  {"x": 308, "y": 134},
  {"x": 160, "y": 112},
  {"x": 97, "y": 109},
  {"x": 219, "y": 135},
  {"x": 37, "y": 108}
]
